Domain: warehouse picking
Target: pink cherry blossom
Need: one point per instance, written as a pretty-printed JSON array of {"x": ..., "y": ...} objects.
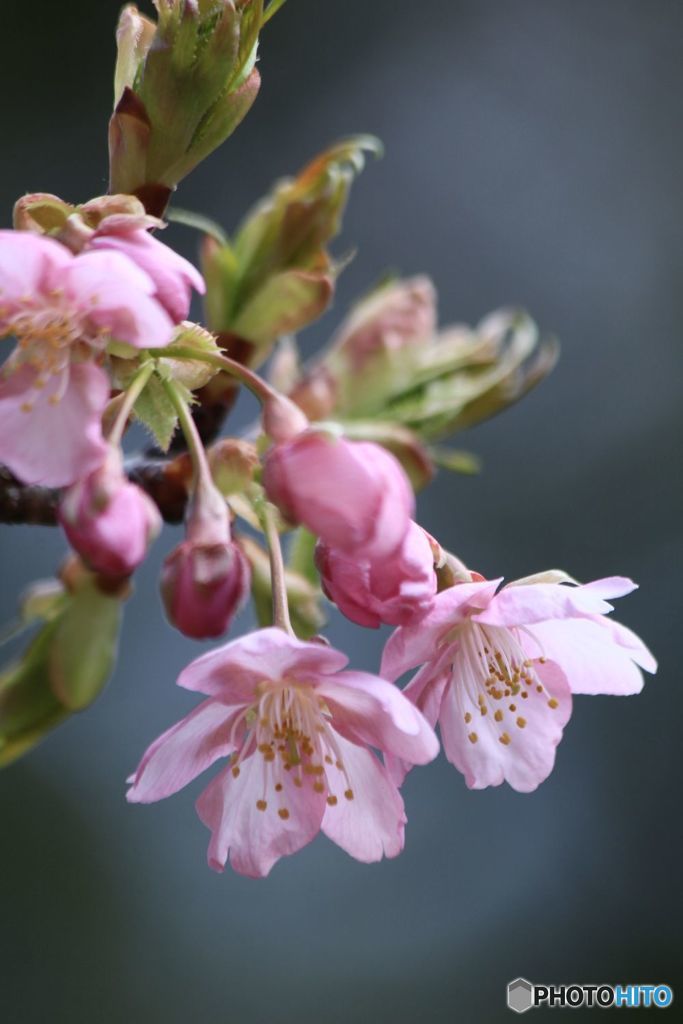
[
  {"x": 206, "y": 579},
  {"x": 203, "y": 586},
  {"x": 499, "y": 667},
  {"x": 397, "y": 316},
  {"x": 354, "y": 495},
  {"x": 63, "y": 310},
  {"x": 398, "y": 590},
  {"x": 109, "y": 521},
  {"x": 296, "y": 730},
  {"x": 173, "y": 277}
]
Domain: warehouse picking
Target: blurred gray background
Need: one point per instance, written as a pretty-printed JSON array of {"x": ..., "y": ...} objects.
[{"x": 533, "y": 156}]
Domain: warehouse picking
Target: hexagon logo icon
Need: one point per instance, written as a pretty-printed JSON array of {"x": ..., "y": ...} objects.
[{"x": 520, "y": 995}]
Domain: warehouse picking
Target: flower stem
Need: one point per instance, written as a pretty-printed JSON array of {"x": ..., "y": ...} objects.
[
  {"x": 278, "y": 582},
  {"x": 128, "y": 400},
  {"x": 257, "y": 385},
  {"x": 200, "y": 463}
]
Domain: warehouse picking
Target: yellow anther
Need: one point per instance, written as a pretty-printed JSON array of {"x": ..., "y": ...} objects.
[
  {"x": 498, "y": 715},
  {"x": 472, "y": 737},
  {"x": 261, "y": 805},
  {"x": 332, "y": 801},
  {"x": 348, "y": 793},
  {"x": 284, "y": 813},
  {"x": 236, "y": 771},
  {"x": 505, "y": 739},
  {"x": 521, "y": 722},
  {"x": 468, "y": 717},
  {"x": 319, "y": 787},
  {"x": 552, "y": 703}
]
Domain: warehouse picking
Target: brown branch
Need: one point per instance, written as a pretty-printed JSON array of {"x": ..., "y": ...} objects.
[{"x": 165, "y": 481}]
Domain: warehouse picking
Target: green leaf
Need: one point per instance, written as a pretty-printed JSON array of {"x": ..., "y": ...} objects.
[
  {"x": 83, "y": 648},
  {"x": 190, "y": 219},
  {"x": 286, "y": 303},
  {"x": 456, "y": 461},
  {"x": 301, "y": 555},
  {"x": 155, "y": 410}
]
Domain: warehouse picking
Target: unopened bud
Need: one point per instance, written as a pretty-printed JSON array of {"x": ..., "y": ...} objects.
[
  {"x": 109, "y": 521},
  {"x": 282, "y": 419},
  {"x": 233, "y": 465},
  {"x": 205, "y": 580}
]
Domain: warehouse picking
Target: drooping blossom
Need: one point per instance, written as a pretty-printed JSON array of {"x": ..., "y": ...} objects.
[
  {"x": 397, "y": 316},
  {"x": 63, "y": 311},
  {"x": 396, "y": 590},
  {"x": 205, "y": 580},
  {"x": 174, "y": 277},
  {"x": 296, "y": 730},
  {"x": 354, "y": 495},
  {"x": 499, "y": 667},
  {"x": 109, "y": 521}
]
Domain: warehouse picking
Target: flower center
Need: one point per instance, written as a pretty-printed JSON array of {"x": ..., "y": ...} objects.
[
  {"x": 49, "y": 337},
  {"x": 289, "y": 728},
  {"x": 498, "y": 678}
]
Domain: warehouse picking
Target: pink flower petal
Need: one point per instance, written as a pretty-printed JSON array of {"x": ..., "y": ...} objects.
[
  {"x": 489, "y": 752},
  {"x": 538, "y": 602},
  {"x": 118, "y": 296},
  {"x": 26, "y": 264},
  {"x": 371, "y": 823},
  {"x": 425, "y": 690},
  {"x": 590, "y": 658},
  {"x": 183, "y": 752},
  {"x": 252, "y": 838},
  {"x": 233, "y": 670},
  {"x": 53, "y": 444},
  {"x": 173, "y": 277},
  {"x": 409, "y": 646},
  {"x": 367, "y": 709}
]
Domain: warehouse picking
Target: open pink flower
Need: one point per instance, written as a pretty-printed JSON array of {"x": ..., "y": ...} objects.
[
  {"x": 63, "y": 310},
  {"x": 354, "y": 495},
  {"x": 173, "y": 276},
  {"x": 499, "y": 668},
  {"x": 296, "y": 730},
  {"x": 109, "y": 521},
  {"x": 396, "y": 590}
]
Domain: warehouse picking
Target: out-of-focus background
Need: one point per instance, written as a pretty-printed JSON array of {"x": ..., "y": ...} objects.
[{"x": 533, "y": 156}]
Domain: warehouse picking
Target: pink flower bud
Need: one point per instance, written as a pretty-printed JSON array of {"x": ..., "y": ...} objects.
[
  {"x": 282, "y": 419},
  {"x": 397, "y": 316},
  {"x": 396, "y": 591},
  {"x": 206, "y": 579},
  {"x": 353, "y": 495},
  {"x": 203, "y": 586},
  {"x": 109, "y": 521}
]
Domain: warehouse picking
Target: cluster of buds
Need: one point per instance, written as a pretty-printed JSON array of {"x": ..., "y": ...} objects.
[
  {"x": 181, "y": 88},
  {"x": 97, "y": 306}
]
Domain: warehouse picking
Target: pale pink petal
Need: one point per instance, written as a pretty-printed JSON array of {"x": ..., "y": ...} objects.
[
  {"x": 371, "y": 823},
  {"x": 611, "y": 587},
  {"x": 489, "y": 752},
  {"x": 173, "y": 277},
  {"x": 118, "y": 296},
  {"x": 53, "y": 444},
  {"x": 409, "y": 646},
  {"x": 425, "y": 690},
  {"x": 538, "y": 602},
  {"x": 255, "y": 839},
  {"x": 26, "y": 262},
  {"x": 183, "y": 752},
  {"x": 369, "y": 710},
  {"x": 589, "y": 657},
  {"x": 233, "y": 670},
  {"x": 630, "y": 642}
]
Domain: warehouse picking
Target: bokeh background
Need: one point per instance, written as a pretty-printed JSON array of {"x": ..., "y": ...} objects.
[{"x": 533, "y": 156}]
